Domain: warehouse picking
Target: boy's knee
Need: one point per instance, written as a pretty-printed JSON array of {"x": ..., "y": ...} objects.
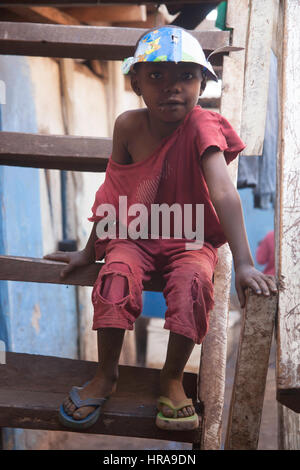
[
  {"x": 114, "y": 287},
  {"x": 117, "y": 297},
  {"x": 117, "y": 284}
]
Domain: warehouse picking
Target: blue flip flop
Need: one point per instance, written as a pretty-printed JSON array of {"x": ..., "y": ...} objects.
[{"x": 90, "y": 419}]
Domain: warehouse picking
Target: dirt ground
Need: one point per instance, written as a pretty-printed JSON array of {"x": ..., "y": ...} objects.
[{"x": 268, "y": 433}]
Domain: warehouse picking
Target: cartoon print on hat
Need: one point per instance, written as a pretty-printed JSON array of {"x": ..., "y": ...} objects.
[{"x": 169, "y": 44}]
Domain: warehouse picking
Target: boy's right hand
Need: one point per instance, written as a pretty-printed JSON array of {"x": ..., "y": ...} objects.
[{"x": 73, "y": 258}]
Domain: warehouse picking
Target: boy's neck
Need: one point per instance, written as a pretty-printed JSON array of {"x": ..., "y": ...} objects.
[{"x": 160, "y": 129}]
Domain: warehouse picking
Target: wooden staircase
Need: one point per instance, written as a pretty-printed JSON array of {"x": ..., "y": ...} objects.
[{"x": 32, "y": 387}]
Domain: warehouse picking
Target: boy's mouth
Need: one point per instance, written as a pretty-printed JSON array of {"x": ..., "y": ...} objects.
[{"x": 172, "y": 103}]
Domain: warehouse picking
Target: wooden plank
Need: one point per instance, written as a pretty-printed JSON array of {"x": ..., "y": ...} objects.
[
  {"x": 55, "y": 151},
  {"x": 154, "y": 18},
  {"x": 210, "y": 102},
  {"x": 18, "y": 268},
  {"x": 32, "y": 388},
  {"x": 44, "y": 15},
  {"x": 213, "y": 356},
  {"x": 109, "y": 13},
  {"x": 287, "y": 221},
  {"x": 257, "y": 67},
  {"x": 251, "y": 372},
  {"x": 288, "y": 429},
  {"x": 88, "y": 42}
]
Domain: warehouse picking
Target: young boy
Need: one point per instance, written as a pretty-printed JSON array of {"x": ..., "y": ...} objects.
[{"x": 171, "y": 152}]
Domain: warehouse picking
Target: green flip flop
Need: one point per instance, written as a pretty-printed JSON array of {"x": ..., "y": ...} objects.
[{"x": 176, "y": 423}]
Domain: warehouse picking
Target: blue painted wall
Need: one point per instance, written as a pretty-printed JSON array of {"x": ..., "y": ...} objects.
[
  {"x": 53, "y": 329},
  {"x": 258, "y": 223}
]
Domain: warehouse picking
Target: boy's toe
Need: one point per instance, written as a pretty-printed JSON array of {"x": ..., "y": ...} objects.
[
  {"x": 83, "y": 412},
  {"x": 166, "y": 411},
  {"x": 185, "y": 412},
  {"x": 72, "y": 409},
  {"x": 68, "y": 410},
  {"x": 65, "y": 402},
  {"x": 69, "y": 406},
  {"x": 77, "y": 415}
]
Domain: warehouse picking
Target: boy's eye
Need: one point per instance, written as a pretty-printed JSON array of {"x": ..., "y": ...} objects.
[
  {"x": 187, "y": 75},
  {"x": 155, "y": 75}
]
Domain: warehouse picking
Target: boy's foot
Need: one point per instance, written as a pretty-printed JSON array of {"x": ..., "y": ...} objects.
[
  {"x": 100, "y": 386},
  {"x": 173, "y": 389}
]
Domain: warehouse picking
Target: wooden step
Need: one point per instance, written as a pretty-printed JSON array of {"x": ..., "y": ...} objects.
[
  {"x": 86, "y": 42},
  {"x": 55, "y": 151},
  {"x": 17, "y": 268},
  {"x": 32, "y": 387}
]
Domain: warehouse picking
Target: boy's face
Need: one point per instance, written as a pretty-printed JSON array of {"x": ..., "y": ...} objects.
[{"x": 169, "y": 90}]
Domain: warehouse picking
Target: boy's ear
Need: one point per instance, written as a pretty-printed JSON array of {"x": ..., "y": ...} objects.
[
  {"x": 134, "y": 83},
  {"x": 203, "y": 85}
]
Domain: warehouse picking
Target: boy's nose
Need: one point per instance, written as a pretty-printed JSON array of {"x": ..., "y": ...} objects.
[{"x": 172, "y": 85}]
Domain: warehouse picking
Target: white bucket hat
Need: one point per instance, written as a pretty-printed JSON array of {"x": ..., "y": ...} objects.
[{"x": 169, "y": 44}]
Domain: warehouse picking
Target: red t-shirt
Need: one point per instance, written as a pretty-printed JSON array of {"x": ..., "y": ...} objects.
[{"x": 173, "y": 173}]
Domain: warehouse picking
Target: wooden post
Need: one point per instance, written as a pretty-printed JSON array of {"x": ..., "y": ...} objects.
[
  {"x": 257, "y": 329},
  {"x": 251, "y": 373},
  {"x": 287, "y": 227},
  {"x": 213, "y": 356},
  {"x": 288, "y": 221},
  {"x": 289, "y": 429},
  {"x": 257, "y": 67}
]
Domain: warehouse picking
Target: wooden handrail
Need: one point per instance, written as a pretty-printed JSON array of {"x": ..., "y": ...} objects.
[
  {"x": 55, "y": 151},
  {"x": 19, "y": 268}
]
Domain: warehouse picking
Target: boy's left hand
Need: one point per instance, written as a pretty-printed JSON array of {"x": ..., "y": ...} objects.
[{"x": 248, "y": 276}]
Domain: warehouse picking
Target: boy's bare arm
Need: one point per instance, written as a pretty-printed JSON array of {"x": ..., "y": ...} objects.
[
  {"x": 76, "y": 259},
  {"x": 89, "y": 249},
  {"x": 121, "y": 135},
  {"x": 227, "y": 204},
  {"x": 119, "y": 154},
  {"x": 87, "y": 255},
  {"x": 226, "y": 201}
]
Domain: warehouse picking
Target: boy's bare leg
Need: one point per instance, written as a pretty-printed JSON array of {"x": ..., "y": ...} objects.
[
  {"x": 110, "y": 342},
  {"x": 178, "y": 353}
]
